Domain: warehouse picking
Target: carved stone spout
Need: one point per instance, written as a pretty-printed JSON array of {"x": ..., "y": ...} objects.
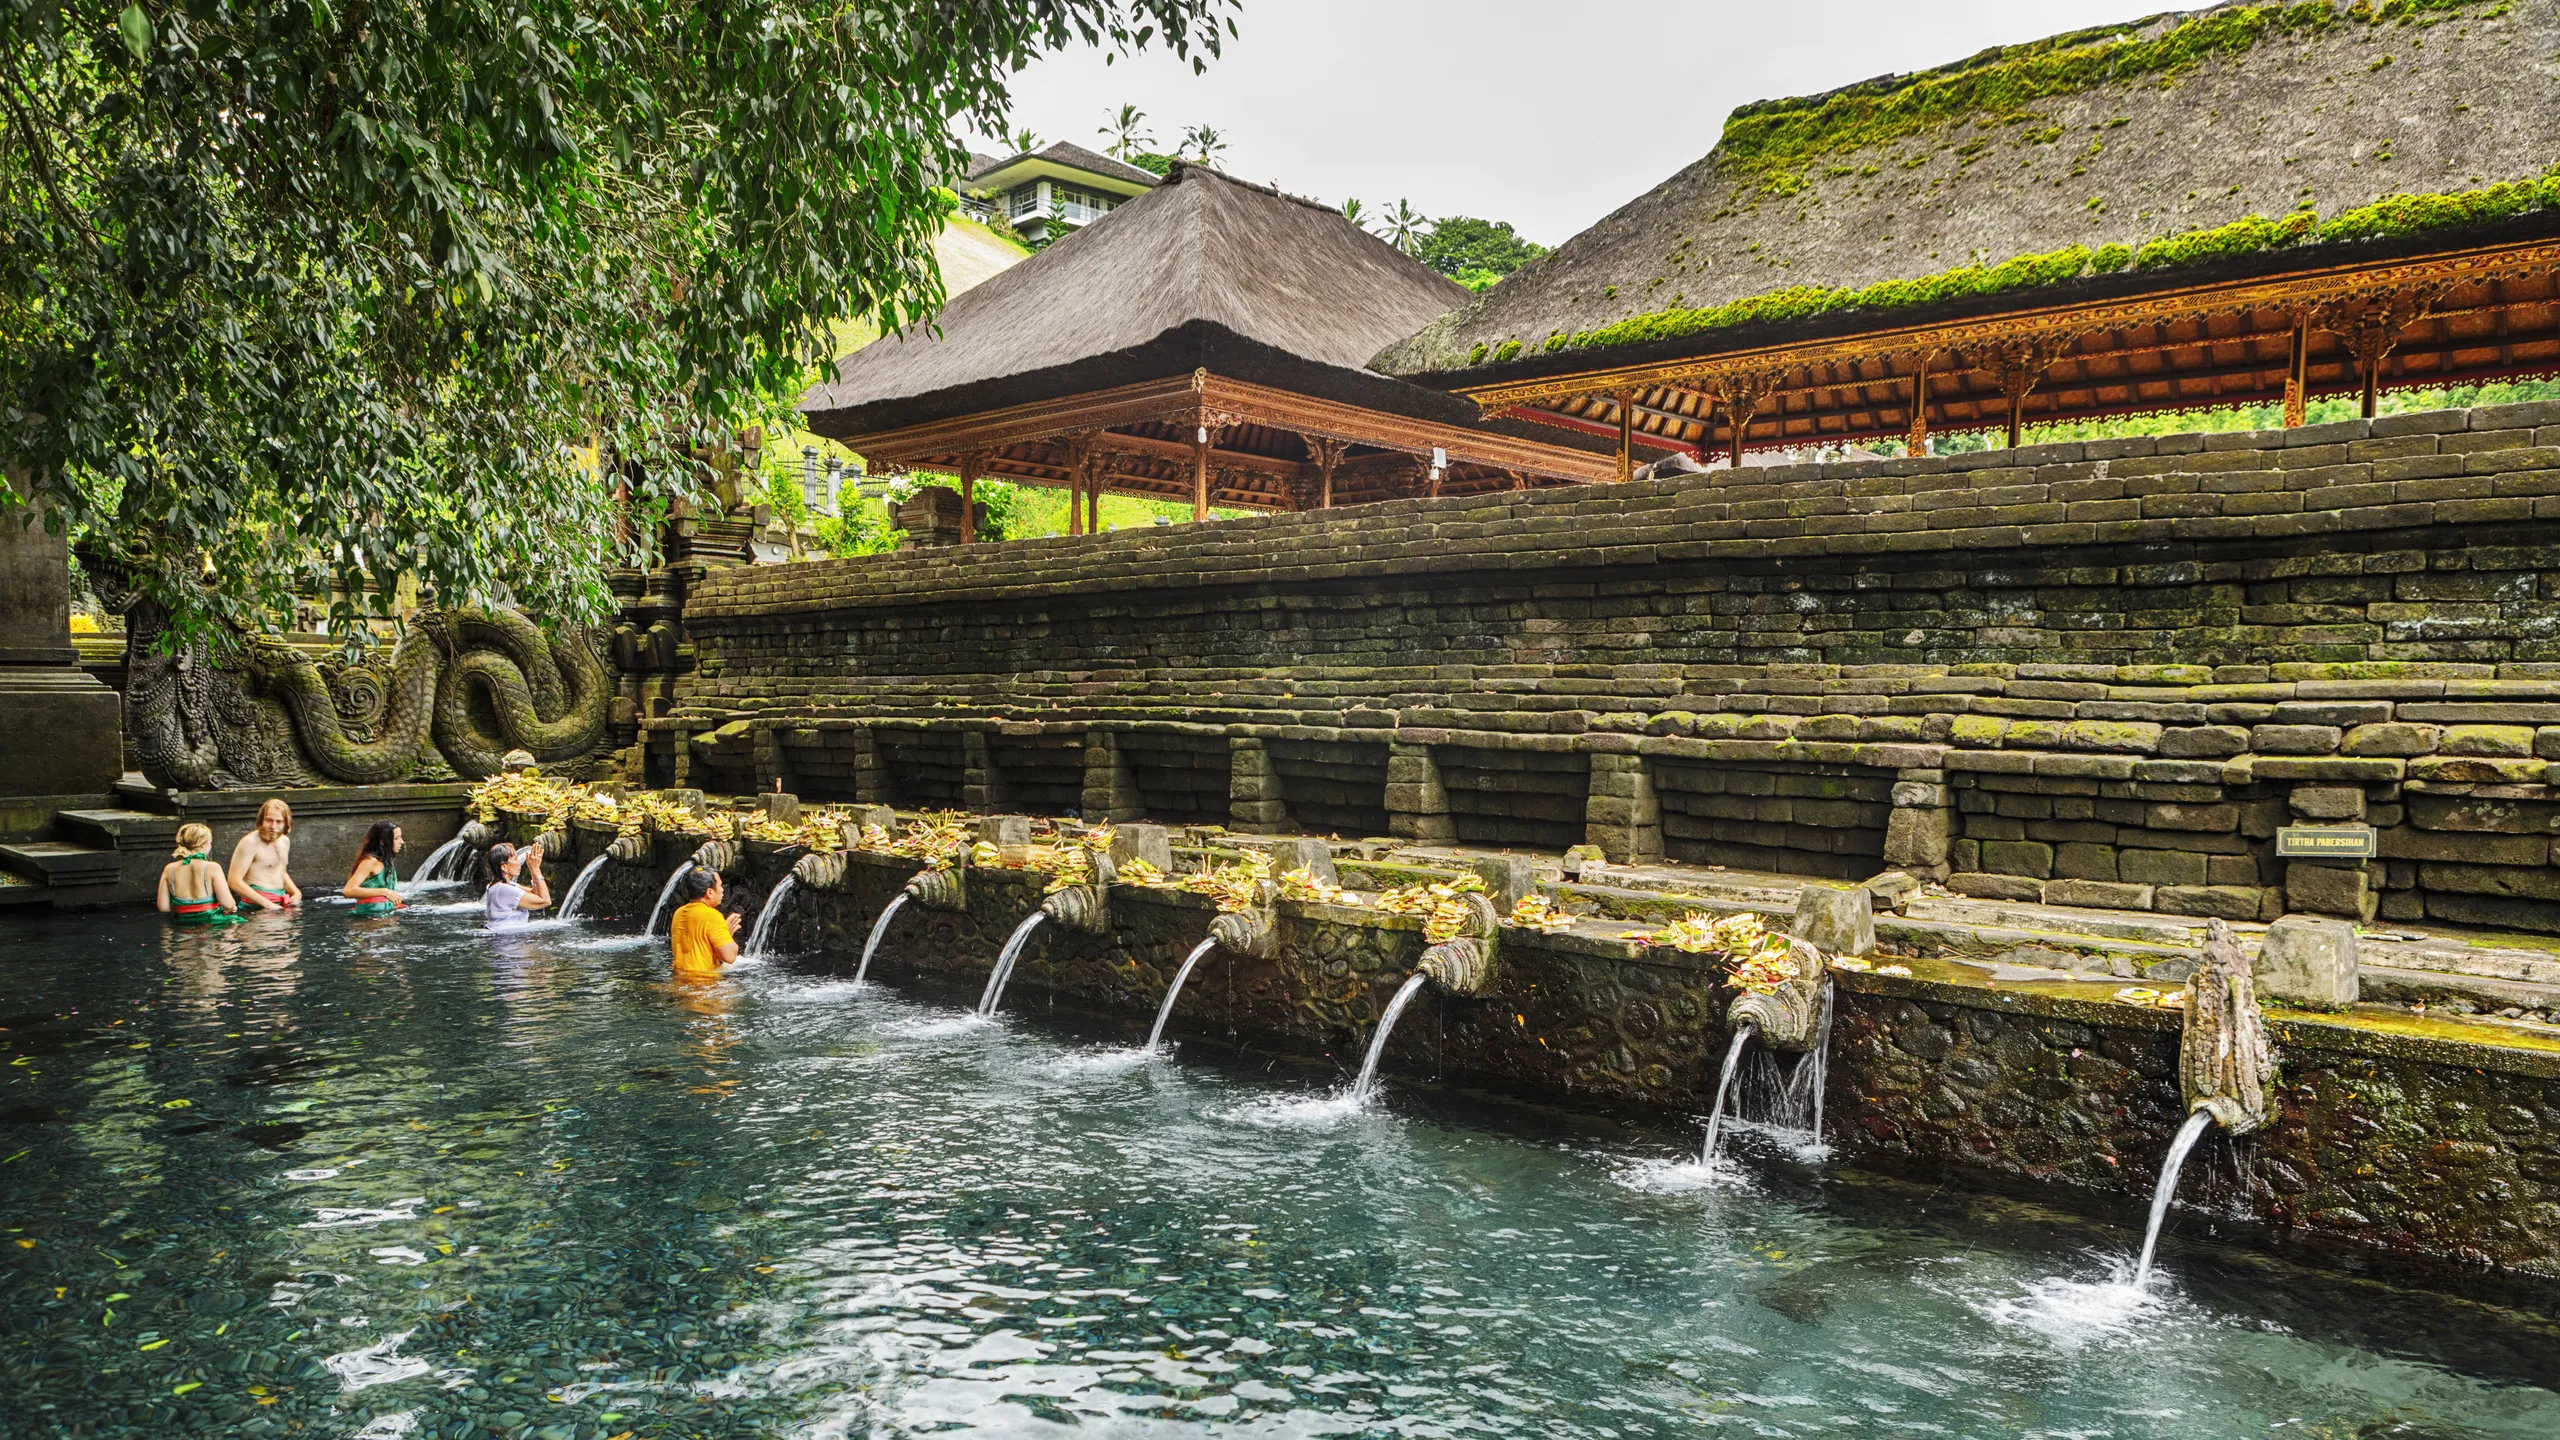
[
  {"x": 1254, "y": 931},
  {"x": 478, "y": 835},
  {"x": 2224, "y": 1064},
  {"x": 820, "y": 872},
  {"x": 946, "y": 890},
  {"x": 630, "y": 849},
  {"x": 1788, "y": 1015},
  {"x": 1086, "y": 907},
  {"x": 553, "y": 842},
  {"x": 715, "y": 855},
  {"x": 1464, "y": 963}
]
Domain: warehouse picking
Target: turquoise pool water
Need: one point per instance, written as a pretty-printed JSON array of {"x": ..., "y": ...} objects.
[{"x": 338, "y": 1177}]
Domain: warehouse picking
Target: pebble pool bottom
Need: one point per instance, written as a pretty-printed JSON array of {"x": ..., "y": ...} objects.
[{"x": 397, "y": 1178}]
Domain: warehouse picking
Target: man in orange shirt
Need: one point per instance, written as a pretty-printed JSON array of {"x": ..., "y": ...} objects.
[{"x": 703, "y": 939}]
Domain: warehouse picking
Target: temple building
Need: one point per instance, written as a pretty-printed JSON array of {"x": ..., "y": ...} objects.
[
  {"x": 1052, "y": 191},
  {"x": 2251, "y": 205},
  {"x": 1206, "y": 344}
]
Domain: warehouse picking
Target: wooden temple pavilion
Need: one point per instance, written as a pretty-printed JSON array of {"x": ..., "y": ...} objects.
[
  {"x": 1203, "y": 342},
  {"x": 2250, "y": 205}
]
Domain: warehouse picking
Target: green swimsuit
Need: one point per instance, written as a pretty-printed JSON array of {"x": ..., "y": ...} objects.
[
  {"x": 388, "y": 878},
  {"x": 207, "y": 911}
]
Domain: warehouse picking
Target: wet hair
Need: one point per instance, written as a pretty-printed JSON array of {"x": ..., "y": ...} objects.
[
  {"x": 193, "y": 840},
  {"x": 377, "y": 842},
  {"x": 492, "y": 859},
  {"x": 287, "y": 828},
  {"x": 698, "y": 882}
]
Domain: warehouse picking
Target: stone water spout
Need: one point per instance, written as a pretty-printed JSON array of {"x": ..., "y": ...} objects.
[
  {"x": 478, "y": 835},
  {"x": 2224, "y": 1065},
  {"x": 715, "y": 855},
  {"x": 1464, "y": 964},
  {"x": 821, "y": 871},
  {"x": 553, "y": 842},
  {"x": 944, "y": 889},
  {"x": 1789, "y": 1017},
  {"x": 1086, "y": 907},
  {"x": 630, "y": 850},
  {"x": 1254, "y": 931}
]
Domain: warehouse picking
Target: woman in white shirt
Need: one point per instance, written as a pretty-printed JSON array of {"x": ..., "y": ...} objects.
[{"x": 519, "y": 889}]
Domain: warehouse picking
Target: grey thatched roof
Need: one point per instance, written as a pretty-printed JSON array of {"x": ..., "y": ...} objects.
[
  {"x": 2179, "y": 123},
  {"x": 1202, "y": 271}
]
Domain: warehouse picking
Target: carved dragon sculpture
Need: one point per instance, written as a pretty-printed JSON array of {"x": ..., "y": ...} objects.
[{"x": 454, "y": 695}]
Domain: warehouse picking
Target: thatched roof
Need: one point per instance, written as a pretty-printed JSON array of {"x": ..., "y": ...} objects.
[
  {"x": 1067, "y": 155},
  {"x": 1202, "y": 271},
  {"x": 2118, "y": 136}
]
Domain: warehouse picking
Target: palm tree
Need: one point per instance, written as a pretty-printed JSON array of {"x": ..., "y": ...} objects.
[
  {"x": 1024, "y": 142},
  {"x": 1125, "y": 134},
  {"x": 1404, "y": 226},
  {"x": 1353, "y": 210},
  {"x": 1203, "y": 144}
]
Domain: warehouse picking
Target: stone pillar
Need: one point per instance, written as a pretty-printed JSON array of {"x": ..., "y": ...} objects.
[
  {"x": 2350, "y": 888},
  {"x": 1110, "y": 791},
  {"x": 870, "y": 781},
  {"x": 773, "y": 763},
  {"x": 1417, "y": 804},
  {"x": 1255, "y": 805},
  {"x": 1622, "y": 815},
  {"x": 980, "y": 787},
  {"x": 1917, "y": 833},
  {"x": 65, "y": 729}
]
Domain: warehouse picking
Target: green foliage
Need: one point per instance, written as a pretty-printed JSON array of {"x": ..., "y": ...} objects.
[
  {"x": 2398, "y": 215},
  {"x": 1508, "y": 349},
  {"x": 1462, "y": 247},
  {"x": 1776, "y": 136},
  {"x": 2320, "y": 411},
  {"x": 292, "y": 295},
  {"x": 1153, "y": 162},
  {"x": 2246, "y": 235}
]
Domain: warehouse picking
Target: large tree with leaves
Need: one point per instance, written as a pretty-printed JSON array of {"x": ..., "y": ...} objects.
[{"x": 332, "y": 289}]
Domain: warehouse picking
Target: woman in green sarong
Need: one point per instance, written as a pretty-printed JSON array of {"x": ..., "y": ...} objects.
[
  {"x": 374, "y": 881},
  {"x": 193, "y": 890}
]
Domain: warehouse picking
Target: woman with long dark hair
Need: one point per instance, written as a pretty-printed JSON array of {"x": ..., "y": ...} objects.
[{"x": 373, "y": 882}]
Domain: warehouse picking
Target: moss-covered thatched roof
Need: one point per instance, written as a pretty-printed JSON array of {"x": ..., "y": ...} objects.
[{"x": 2263, "y": 125}]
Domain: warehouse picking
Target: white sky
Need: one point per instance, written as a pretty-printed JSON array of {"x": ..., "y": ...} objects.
[{"x": 1549, "y": 115}]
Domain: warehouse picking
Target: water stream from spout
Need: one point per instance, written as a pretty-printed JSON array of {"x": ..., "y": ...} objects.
[
  {"x": 1378, "y": 1042},
  {"x": 879, "y": 928},
  {"x": 2188, "y": 1135},
  {"x": 666, "y": 894},
  {"x": 578, "y": 887},
  {"x": 1173, "y": 992},
  {"x": 1005, "y": 959},
  {"x": 436, "y": 859},
  {"x": 1724, "y": 1083},
  {"x": 761, "y": 935}
]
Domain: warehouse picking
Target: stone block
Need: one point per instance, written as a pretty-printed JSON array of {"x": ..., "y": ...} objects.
[
  {"x": 2546, "y": 742},
  {"x": 1002, "y": 831},
  {"x": 2527, "y": 882},
  {"x": 2226, "y": 902},
  {"x": 2080, "y": 860},
  {"x": 2098, "y": 894},
  {"x": 2332, "y": 712},
  {"x": 2018, "y": 857},
  {"x": 2329, "y": 890},
  {"x": 1919, "y": 839},
  {"x": 2308, "y": 962},
  {"x": 2161, "y": 867},
  {"x": 2295, "y": 739},
  {"x": 1506, "y": 878},
  {"x": 2204, "y": 742},
  {"x": 2114, "y": 736},
  {"x": 2395, "y": 738},
  {"x": 2506, "y": 742},
  {"x": 2328, "y": 802},
  {"x": 1985, "y": 886},
  {"x": 2172, "y": 816},
  {"x": 1151, "y": 844},
  {"x": 1837, "y": 922},
  {"x": 2477, "y": 770}
]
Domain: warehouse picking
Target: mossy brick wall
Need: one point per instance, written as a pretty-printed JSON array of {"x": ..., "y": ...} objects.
[{"x": 2098, "y": 674}]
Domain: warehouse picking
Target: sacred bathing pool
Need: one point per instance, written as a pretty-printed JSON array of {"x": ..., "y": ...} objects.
[{"x": 1557, "y": 911}]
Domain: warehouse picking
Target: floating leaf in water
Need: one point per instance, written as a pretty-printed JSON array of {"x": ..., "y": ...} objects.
[
  {"x": 714, "y": 1204},
  {"x": 177, "y": 1104},
  {"x": 190, "y": 1385}
]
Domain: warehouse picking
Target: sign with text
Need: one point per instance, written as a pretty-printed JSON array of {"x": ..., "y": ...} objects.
[{"x": 2326, "y": 842}]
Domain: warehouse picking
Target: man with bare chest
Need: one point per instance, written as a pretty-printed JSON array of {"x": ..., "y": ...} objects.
[{"x": 259, "y": 871}]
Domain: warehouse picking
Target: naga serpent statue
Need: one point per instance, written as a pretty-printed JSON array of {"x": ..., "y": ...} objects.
[{"x": 458, "y": 691}]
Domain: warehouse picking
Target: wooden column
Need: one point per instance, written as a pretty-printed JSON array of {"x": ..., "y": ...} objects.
[
  {"x": 1919, "y": 443},
  {"x": 2297, "y": 375},
  {"x": 1200, "y": 476},
  {"x": 1626, "y": 434},
  {"x": 969, "y": 464},
  {"x": 1737, "y": 415},
  {"x": 2020, "y": 364},
  {"x": 1328, "y": 454}
]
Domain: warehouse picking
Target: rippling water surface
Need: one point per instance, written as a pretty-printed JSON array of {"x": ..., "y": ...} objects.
[{"x": 388, "y": 1178}]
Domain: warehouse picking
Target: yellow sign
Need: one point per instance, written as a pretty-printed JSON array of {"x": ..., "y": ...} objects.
[{"x": 2327, "y": 842}]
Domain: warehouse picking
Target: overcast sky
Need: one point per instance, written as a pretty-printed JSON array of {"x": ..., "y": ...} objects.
[{"x": 1544, "y": 114}]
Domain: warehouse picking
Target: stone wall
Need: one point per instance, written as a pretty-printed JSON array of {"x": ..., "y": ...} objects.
[
  {"x": 2099, "y": 674},
  {"x": 2404, "y": 1135}
]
